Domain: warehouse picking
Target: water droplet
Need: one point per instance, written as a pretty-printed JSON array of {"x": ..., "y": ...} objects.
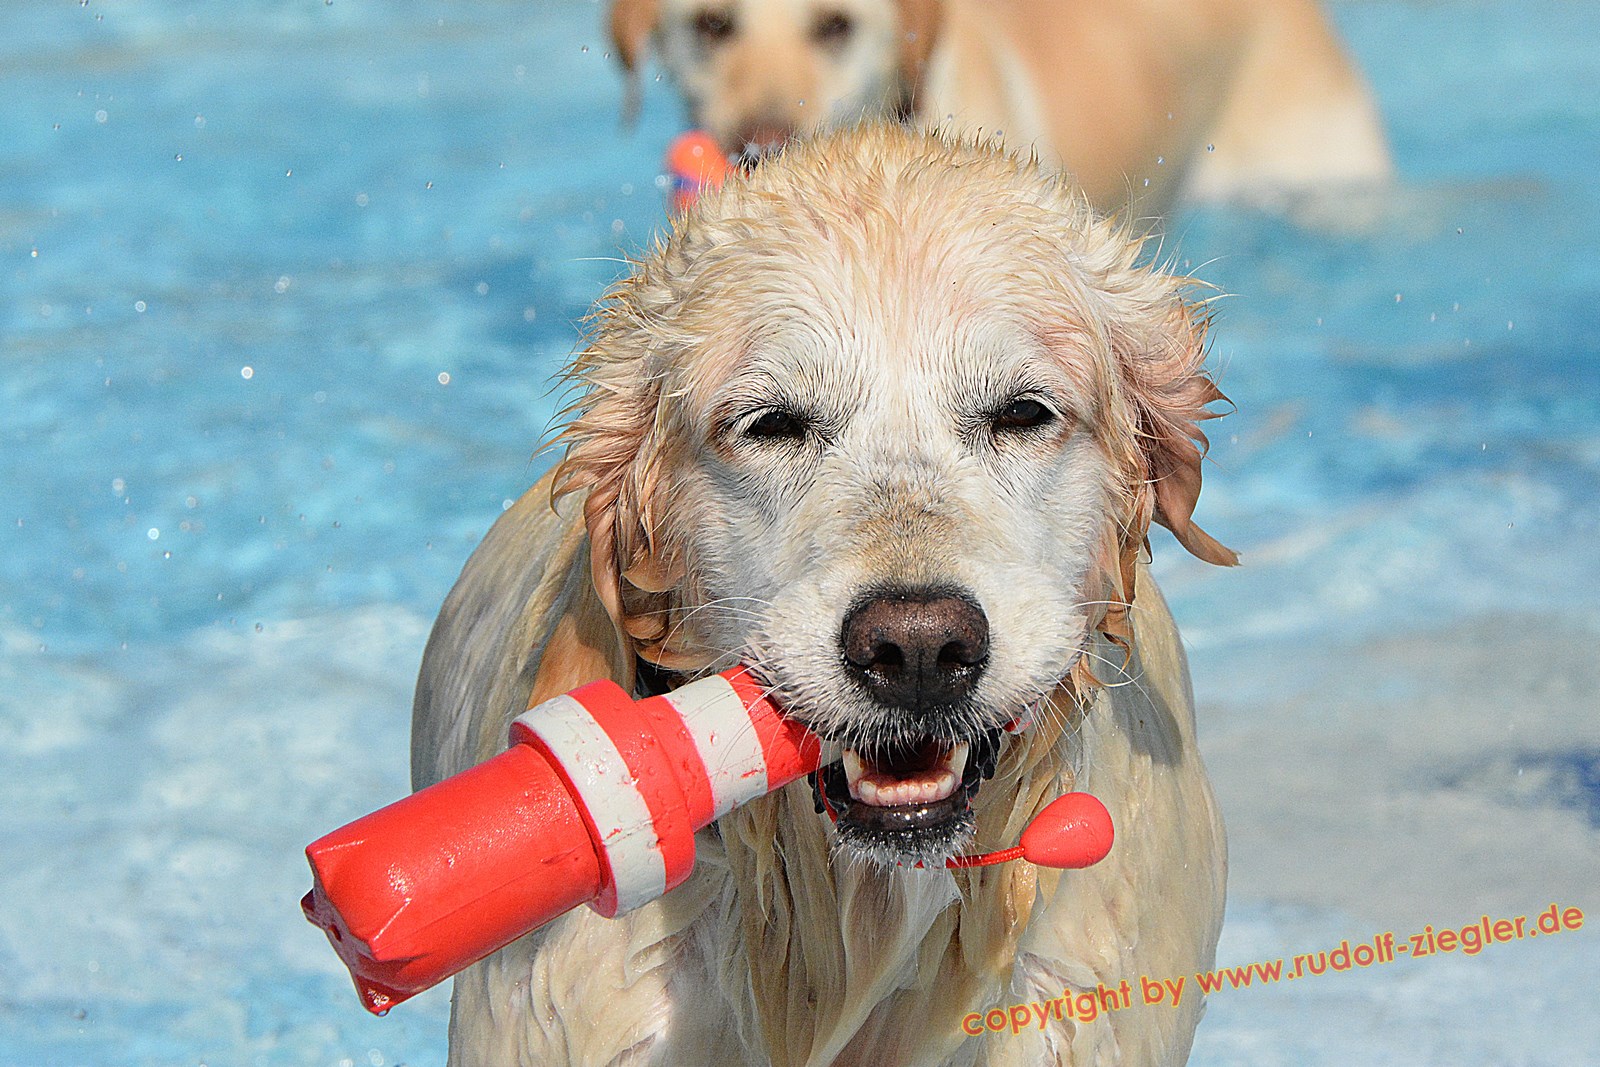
[
  {"x": 153, "y": 533},
  {"x": 247, "y": 373},
  {"x": 139, "y": 306},
  {"x": 166, "y": 555},
  {"x": 584, "y": 49},
  {"x": 34, "y": 254},
  {"x": 101, "y": 116},
  {"x": 179, "y": 157},
  {"x": 444, "y": 377},
  {"x": 1211, "y": 148},
  {"x": 259, "y": 627}
]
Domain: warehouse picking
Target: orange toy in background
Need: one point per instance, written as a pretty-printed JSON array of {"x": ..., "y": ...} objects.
[
  {"x": 596, "y": 802},
  {"x": 694, "y": 161}
]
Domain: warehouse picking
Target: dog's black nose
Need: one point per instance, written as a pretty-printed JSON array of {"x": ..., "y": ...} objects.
[{"x": 916, "y": 649}]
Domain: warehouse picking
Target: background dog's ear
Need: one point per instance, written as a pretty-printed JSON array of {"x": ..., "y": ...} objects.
[
  {"x": 1170, "y": 393},
  {"x": 632, "y": 23},
  {"x": 918, "y": 32}
]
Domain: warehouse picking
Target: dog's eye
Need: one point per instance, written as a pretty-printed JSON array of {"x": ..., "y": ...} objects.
[
  {"x": 1023, "y": 413},
  {"x": 713, "y": 27},
  {"x": 832, "y": 28},
  {"x": 777, "y": 424}
]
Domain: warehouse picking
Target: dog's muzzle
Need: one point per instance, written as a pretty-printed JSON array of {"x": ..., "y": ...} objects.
[
  {"x": 904, "y": 787},
  {"x": 909, "y": 802}
]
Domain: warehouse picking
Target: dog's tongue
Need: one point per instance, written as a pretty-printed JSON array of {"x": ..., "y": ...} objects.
[{"x": 926, "y": 776}]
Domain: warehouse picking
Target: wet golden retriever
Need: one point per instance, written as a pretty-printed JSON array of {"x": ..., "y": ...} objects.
[
  {"x": 887, "y": 420},
  {"x": 1141, "y": 101}
]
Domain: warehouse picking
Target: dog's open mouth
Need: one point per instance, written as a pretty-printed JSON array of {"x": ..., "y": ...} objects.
[{"x": 909, "y": 802}]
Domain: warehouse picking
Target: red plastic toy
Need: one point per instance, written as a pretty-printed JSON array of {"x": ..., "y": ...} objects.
[
  {"x": 694, "y": 161},
  {"x": 596, "y": 802}
]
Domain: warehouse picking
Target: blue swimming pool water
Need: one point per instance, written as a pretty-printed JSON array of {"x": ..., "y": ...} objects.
[{"x": 282, "y": 288}]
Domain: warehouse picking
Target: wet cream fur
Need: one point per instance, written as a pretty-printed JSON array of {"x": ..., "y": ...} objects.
[{"x": 897, "y": 285}]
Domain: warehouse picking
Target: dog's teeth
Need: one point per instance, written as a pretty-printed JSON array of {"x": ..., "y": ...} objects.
[
  {"x": 957, "y": 760},
  {"x": 852, "y": 767},
  {"x": 881, "y": 790}
]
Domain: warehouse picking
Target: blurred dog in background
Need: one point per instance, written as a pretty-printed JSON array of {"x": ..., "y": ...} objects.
[{"x": 1143, "y": 102}]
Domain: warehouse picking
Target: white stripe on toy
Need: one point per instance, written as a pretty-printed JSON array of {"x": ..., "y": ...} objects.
[
  {"x": 719, "y": 723},
  {"x": 610, "y": 793}
]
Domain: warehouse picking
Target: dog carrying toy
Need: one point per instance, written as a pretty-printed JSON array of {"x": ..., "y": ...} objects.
[
  {"x": 596, "y": 802},
  {"x": 694, "y": 161}
]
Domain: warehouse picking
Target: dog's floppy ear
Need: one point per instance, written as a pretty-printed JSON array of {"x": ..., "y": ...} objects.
[
  {"x": 632, "y": 23},
  {"x": 619, "y": 450},
  {"x": 1160, "y": 397},
  {"x": 584, "y": 644},
  {"x": 918, "y": 29},
  {"x": 637, "y": 574},
  {"x": 1169, "y": 392}
]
